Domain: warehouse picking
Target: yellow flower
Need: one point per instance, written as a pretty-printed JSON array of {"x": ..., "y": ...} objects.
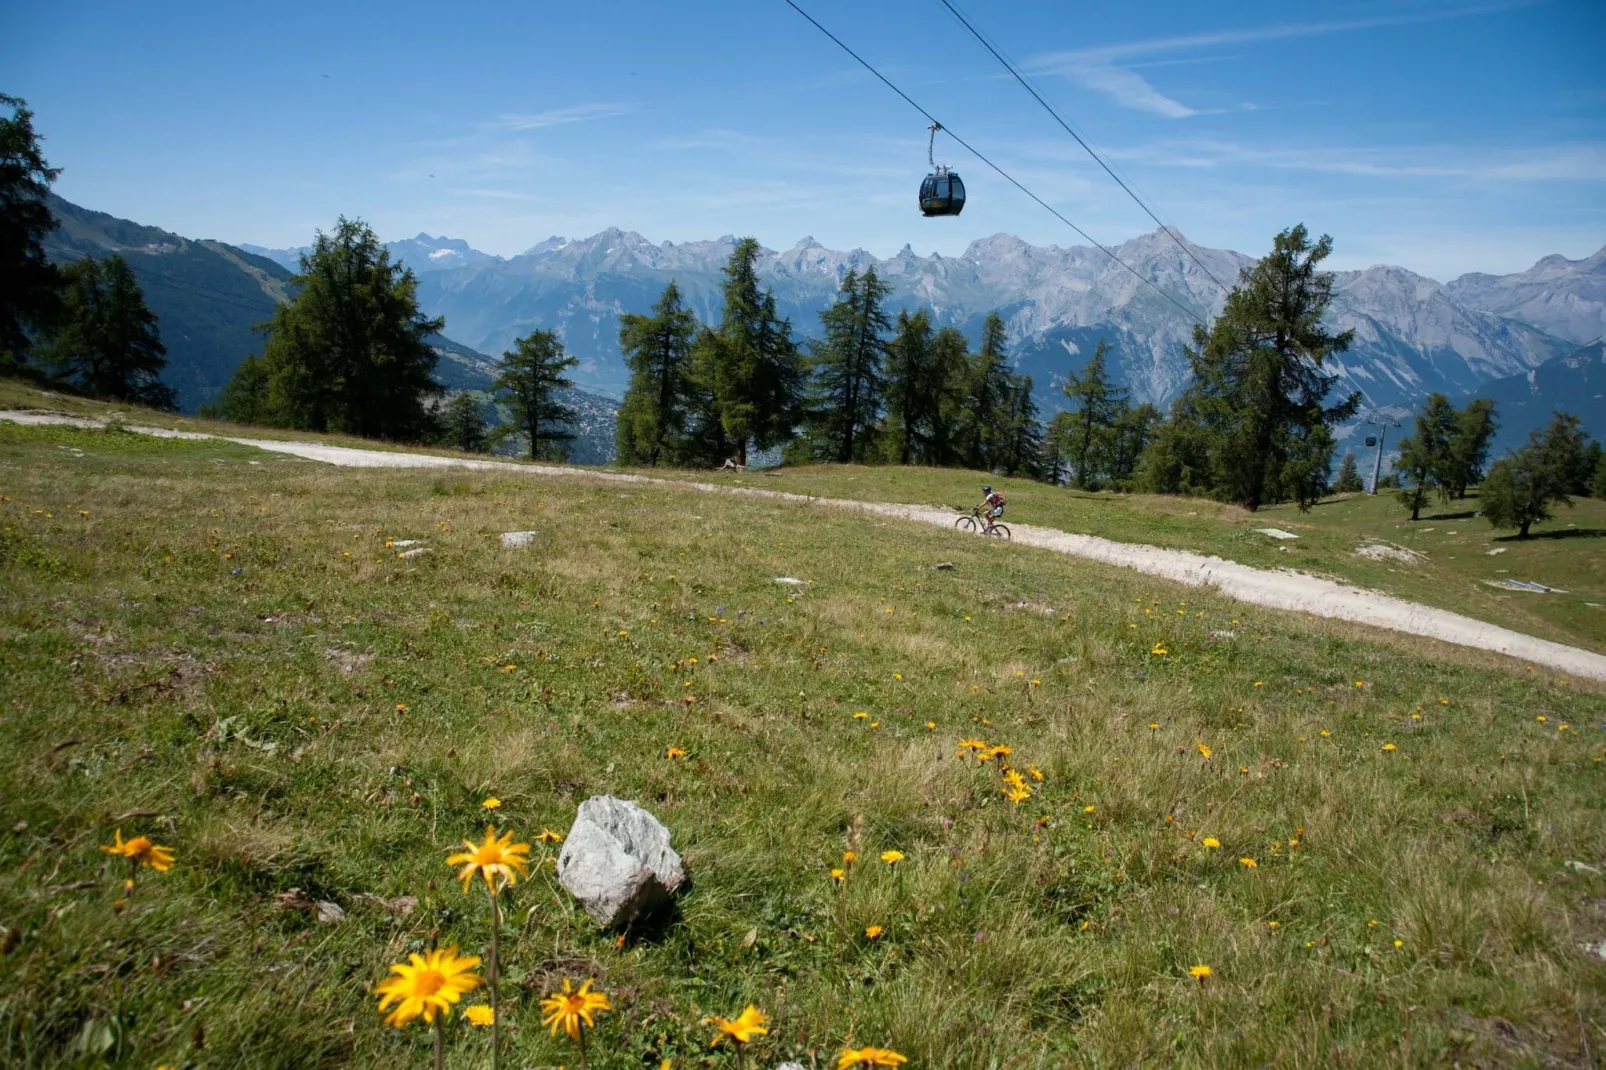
[
  {"x": 496, "y": 857},
  {"x": 1204, "y": 750},
  {"x": 852, "y": 1057},
  {"x": 1154, "y": 726},
  {"x": 141, "y": 851},
  {"x": 892, "y": 858},
  {"x": 897, "y": 676},
  {"x": 1018, "y": 795},
  {"x": 1159, "y": 651},
  {"x": 1211, "y": 842},
  {"x": 977, "y": 745},
  {"x": 931, "y": 726},
  {"x": 743, "y": 1028},
  {"x": 861, "y": 715},
  {"x": 1249, "y": 863},
  {"x": 1390, "y": 747},
  {"x": 1036, "y": 773},
  {"x": 1541, "y": 718},
  {"x": 1087, "y": 809},
  {"x": 479, "y": 1014},
  {"x": 1014, "y": 779},
  {"x": 1200, "y": 971},
  {"x": 839, "y": 875},
  {"x": 1259, "y": 684},
  {"x": 401, "y": 707},
  {"x": 1399, "y": 943},
  {"x": 873, "y": 931},
  {"x": 569, "y": 1008},
  {"x": 999, "y": 751},
  {"x": 674, "y": 752},
  {"x": 548, "y": 836},
  {"x": 427, "y": 985},
  {"x": 509, "y": 668},
  {"x": 492, "y": 803}
]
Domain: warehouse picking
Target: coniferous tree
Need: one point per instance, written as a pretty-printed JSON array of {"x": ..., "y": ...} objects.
[
  {"x": 912, "y": 393},
  {"x": 850, "y": 369},
  {"x": 1259, "y": 381},
  {"x": 653, "y": 414},
  {"x": 350, "y": 352},
  {"x": 1022, "y": 441},
  {"x": 1597, "y": 485},
  {"x": 1097, "y": 406},
  {"x": 1581, "y": 474},
  {"x": 1131, "y": 434},
  {"x": 1426, "y": 459},
  {"x": 1469, "y": 446},
  {"x": 986, "y": 394},
  {"x": 1521, "y": 489},
  {"x": 950, "y": 367},
  {"x": 29, "y": 283},
  {"x": 1349, "y": 477},
  {"x": 244, "y": 399},
  {"x": 107, "y": 344},
  {"x": 750, "y": 366},
  {"x": 532, "y": 373},
  {"x": 463, "y": 424}
]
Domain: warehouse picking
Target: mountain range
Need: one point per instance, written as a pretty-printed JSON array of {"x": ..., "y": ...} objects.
[
  {"x": 209, "y": 297},
  {"x": 1413, "y": 335}
]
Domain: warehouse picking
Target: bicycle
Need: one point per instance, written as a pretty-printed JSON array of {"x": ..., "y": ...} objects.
[{"x": 977, "y": 523}]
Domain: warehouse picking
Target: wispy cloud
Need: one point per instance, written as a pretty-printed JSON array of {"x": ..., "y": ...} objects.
[
  {"x": 1567, "y": 162},
  {"x": 1099, "y": 68},
  {"x": 578, "y": 113}
]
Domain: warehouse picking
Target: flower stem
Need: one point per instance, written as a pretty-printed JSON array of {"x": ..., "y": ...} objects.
[
  {"x": 583, "y": 1064},
  {"x": 440, "y": 1042},
  {"x": 738, "y": 1057},
  {"x": 496, "y": 983}
]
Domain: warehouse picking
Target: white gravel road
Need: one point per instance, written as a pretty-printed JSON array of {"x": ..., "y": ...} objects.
[{"x": 1279, "y": 589}]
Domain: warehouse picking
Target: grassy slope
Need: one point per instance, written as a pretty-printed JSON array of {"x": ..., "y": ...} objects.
[
  {"x": 199, "y": 658},
  {"x": 1567, "y": 552}
]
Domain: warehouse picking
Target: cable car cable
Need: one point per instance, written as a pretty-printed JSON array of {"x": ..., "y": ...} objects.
[
  {"x": 979, "y": 36},
  {"x": 1005, "y": 174}
]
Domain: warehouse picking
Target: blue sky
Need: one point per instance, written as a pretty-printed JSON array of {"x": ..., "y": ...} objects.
[{"x": 1442, "y": 136}]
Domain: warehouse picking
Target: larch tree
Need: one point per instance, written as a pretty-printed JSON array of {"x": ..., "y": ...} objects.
[
  {"x": 1521, "y": 489},
  {"x": 463, "y": 424},
  {"x": 532, "y": 373},
  {"x": 986, "y": 394},
  {"x": 1259, "y": 376},
  {"x": 850, "y": 368},
  {"x": 1470, "y": 441},
  {"x": 657, "y": 348},
  {"x": 1425, "y": 461},
  {"x": 1096, "y": 407},
  {"x": 107, "y": 343},
  {"x": 1349, "y": 477},
  {"x": 29, "y": 282}
]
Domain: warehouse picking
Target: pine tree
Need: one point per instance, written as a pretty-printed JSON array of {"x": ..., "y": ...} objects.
[
  {"x": 29, "y": 283},
  {"x": 1469, "y": 446},
  {"x": 1258, "y": 373},
  {"x": 1426, "y": 458},
  {"x": 107, "y": 344},
  {"x": 652, "y": 416},
  {"x": 912, "y": 395},
  {"x": 531, "y": 375},
  {"x": 244, "y": 399},
  {"x": 350, "y": 352},
  {"x": 1022, "y": 443},
  {"x": 1349, "y": 477},
  {"x": 1521, "y": 489},
  {"x": 1597, "y": 485},
  {"x": 464, "y": 424},
  {"x": 1097, "y": 406},
  {"x": 750, "y": 365},
  {"x": 1131, "y": 434},
  {"x": 850, "y": 368},
  {"x": 950, "y": 369},
  {"x": 986, "y": 394}
]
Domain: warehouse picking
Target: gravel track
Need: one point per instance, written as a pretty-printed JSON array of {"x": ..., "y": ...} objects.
[{"x": 1277, "y": 589}]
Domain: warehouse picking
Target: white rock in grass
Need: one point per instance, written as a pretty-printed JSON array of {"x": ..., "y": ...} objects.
[
  {"x": 617, "y": 861},
  {"x": 517, "y": 540}
]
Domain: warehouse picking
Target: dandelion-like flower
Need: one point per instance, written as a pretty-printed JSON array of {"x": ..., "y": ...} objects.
[
  {"x": 548, "y": 836},
  {"x": 479, "y": 1014},
  {"x": 572, "y": 1007},
  {"x": 839, "y": 875},
  {"x": 1200, "y": 972},
  {"x": 496, "y": 857},
  {"x": 1204, "y": 749},
  {"x": 427, "y": 985},
  {"x": 1390, "y": 747},
  {"x": 1249, "y": 863},
  {"x": 873, "y": 931},
  {"x": 675, "y": 752},
  {"x": 1211, "y": 842},
  {"x": 493, "y": 803},
  {"x": 741, "y": 1029},
  {"x": 1036, "y": 773},
  {"x": 140, "y": 851},
  {"x": 892, "y": 858},
  {"x": 869, "y": 1056}
]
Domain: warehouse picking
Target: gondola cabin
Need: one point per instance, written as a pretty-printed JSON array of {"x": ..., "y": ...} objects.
[{"x": 942, "y": 193}]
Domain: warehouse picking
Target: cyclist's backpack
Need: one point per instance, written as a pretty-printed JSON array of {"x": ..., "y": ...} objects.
[{"x": 1002, "y": 501}]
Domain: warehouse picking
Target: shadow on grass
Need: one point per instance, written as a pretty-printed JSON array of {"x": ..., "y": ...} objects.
[
  {"x": 1468, "y": 515},
  {"x": 1564, "y": 533}
]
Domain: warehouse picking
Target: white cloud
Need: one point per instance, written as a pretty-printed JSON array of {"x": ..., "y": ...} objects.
[
  {"x": 578, "y": 113},
  {"x": 1130, "y": 90}
]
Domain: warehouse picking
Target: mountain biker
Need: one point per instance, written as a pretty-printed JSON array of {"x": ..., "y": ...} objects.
[{"x": 993, "y": 504}]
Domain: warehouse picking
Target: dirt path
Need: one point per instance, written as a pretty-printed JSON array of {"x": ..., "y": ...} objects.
[{"x": 1287, "y": 590}]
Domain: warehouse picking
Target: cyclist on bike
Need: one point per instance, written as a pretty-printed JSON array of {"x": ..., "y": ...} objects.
[{"x": 992, "y": 503}]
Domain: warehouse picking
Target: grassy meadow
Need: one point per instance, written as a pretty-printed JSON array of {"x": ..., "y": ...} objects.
[{"x": 222, "y": 649}]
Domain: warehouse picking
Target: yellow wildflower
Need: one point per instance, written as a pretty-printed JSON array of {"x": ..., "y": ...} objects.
[
  {"x": 573, "y": 1007},
  {"x": 548, "y": 836},
  {"x": 892, "y": 858},
  {"x": 479, "y": 1014},
  {"x": 1203, "y": 749},
  {"x": 492, "y": 803},
  {"x": 1200, "y": 971},
  {"x": 495, "y": 857},
  {"x": 869, "y": 1056},
  {"x": 741, "y": 1029},
  {"x": 141, "y": 851},
  {"x": 873, "y": 931},
  {"x": 1211, "y": 842},
  {"x": 1249, "y": 863},
  {"x": 427, "y": 985}
]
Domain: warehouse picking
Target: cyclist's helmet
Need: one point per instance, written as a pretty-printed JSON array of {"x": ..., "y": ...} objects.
[{"x": 986, "y": 489}]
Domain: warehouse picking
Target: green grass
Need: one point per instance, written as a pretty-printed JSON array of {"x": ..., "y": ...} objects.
[{"x": 216, "y": 653}]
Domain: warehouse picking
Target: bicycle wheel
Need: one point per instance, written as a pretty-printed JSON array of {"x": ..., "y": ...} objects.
[
  {"x": 1000, "y": 531},
  {"x": 965, "y": 523}
]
